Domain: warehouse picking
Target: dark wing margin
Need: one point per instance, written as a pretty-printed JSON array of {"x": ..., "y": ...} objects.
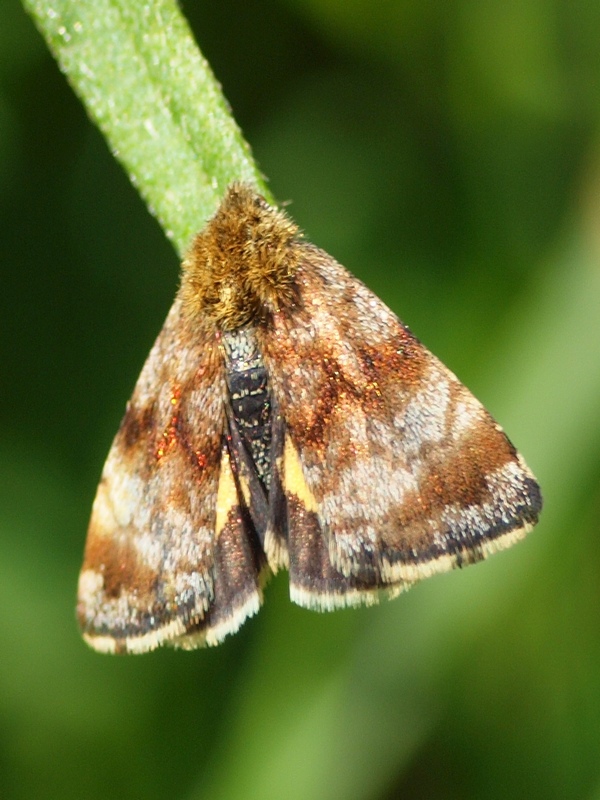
[
  {"x": 239, "y": 566},
  {"x": 154, "y": 571},
  {"x": 391, "y": 469}
]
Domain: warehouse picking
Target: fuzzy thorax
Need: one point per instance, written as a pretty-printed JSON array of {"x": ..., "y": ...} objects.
[{"x": 241, "y": 266}]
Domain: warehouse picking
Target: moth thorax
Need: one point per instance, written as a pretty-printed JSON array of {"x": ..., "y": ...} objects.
[
  {"x": 249, "y": 396},
  {"x": 241, "y": 267}
]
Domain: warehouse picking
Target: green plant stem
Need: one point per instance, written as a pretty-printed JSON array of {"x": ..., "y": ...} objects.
[{"x": 145, "y": 83}]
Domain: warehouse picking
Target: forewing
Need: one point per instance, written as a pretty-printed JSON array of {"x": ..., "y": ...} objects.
[
  {"x": 239, "y": 567},
  {"x": 148, "y": 574},
  {"x": 405, "y": 472}
]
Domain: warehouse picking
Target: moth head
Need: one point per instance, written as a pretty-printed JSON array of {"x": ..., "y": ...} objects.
[{"x": 241, "y": 267}]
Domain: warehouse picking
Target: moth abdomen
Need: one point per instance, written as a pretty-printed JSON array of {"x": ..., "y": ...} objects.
[{"x": 250, "y": 398}]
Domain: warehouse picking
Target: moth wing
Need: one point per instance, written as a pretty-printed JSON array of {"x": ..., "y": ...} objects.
[
  {"x": 391, "y": 469},
  {"x": 153, "y": 570}
]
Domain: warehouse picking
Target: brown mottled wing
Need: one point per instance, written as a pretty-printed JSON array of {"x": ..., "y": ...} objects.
[
  {"x": 154, "y": 563},
  {"x": 391, "y": 469}
]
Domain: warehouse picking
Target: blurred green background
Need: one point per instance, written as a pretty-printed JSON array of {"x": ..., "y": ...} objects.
[{"x": 449, "y": 155}]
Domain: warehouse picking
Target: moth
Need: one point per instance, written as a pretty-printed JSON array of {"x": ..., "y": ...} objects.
[{"x": 286, "y": 418}]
